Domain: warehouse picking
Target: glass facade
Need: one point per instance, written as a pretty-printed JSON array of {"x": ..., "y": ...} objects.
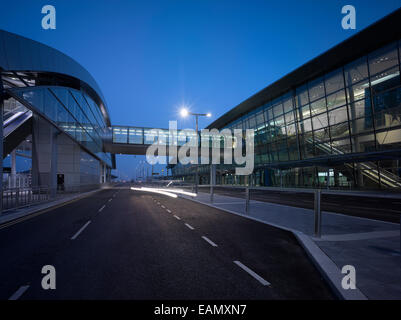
[
  {"x": 355, "y": 109},
  {"x": 72, "y": 111}
]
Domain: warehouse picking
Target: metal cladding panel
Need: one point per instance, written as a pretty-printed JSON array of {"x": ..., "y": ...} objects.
[{"x": 22, "y": 54}]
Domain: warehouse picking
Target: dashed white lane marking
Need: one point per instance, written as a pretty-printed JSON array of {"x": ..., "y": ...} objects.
[
  {"x": 163, "y": 207},
  {"x": 252, "y": 273},
  {"x": 80, "y": 230},
  {"x": 17, "y": 294},
  {"x": 178, "y": 218},
  {"x": 169, "y": 211},
  {"x": 101, "y": 209},
  {"x": 189, "y": 226},
  {"x": 110, "y": 199},
  {"x": 209, "y": 241}
]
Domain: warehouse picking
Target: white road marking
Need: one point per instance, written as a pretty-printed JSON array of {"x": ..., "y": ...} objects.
[
  {"x": 178, "y": 218},
  {"x": 17, "y": 294},
  {"x": 163, "y": 207},
  {"x": 189, "y": 226},
  {"x": 101, "y": 209},
  {"x": 252, "y": 273},
  {"x": 80, "y": 230},
  {"x": 209, "y": 241},
  {"x": 110, "y": 199},
  {"x": 169, "y": 211}
]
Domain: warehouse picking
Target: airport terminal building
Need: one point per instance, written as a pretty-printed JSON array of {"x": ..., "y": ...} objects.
[
  {"x": 55, "y": 118},
  {"x": 335, "y": 122}
]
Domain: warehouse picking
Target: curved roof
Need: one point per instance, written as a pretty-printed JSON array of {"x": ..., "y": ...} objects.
[
  {"x": 18, "y": 53},
  {"x": 369, "y": 39}
]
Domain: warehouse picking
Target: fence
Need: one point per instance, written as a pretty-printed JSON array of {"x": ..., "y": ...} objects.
[
  {"x": 14, "y": 198},
  {"x": 20, "y": 197},
  {"x": 248, "y": 193}
]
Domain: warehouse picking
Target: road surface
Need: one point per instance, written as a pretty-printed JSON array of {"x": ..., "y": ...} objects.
[{"x": 125, "y": 244}]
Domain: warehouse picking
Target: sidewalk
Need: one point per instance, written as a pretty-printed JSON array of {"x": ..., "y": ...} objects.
[
  {"x": 11, "y": 216},
  {"x": 372, "y": 247}
]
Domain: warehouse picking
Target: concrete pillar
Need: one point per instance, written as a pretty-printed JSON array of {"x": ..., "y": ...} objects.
[
  {"x": 44, "y": 154},
  {"x": 212, "y": 181},
  {"x": 1, "y": 143},
  {"x": 13, "y": 170},
  {"x": 101, "y": 173},
  {"x": 35, "y": 180},
  {"x": 53, "y": 163}
]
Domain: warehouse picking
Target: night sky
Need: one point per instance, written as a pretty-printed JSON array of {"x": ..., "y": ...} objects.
[{"x": 151, "y": 57}]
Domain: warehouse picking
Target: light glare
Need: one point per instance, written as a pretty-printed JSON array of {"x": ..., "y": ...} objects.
[
  {"x": 172, "y": 195},
  {"x": 184, "y": 112}
]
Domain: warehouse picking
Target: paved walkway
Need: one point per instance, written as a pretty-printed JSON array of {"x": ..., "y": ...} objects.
[{"x": 372, "y": 247}]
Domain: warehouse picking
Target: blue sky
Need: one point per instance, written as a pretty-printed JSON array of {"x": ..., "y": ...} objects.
[{"x": 150, "y": 57}]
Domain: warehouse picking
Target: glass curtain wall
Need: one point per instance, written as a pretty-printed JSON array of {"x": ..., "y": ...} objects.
[
  {"x": 354, "y": 109},
  {"x": 72, "y": 111}
]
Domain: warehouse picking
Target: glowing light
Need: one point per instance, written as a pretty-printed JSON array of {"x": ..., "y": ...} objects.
[
  {"x": 167, "y": 192},
  {"x": 180, "y": 191},
  {"x": 184, "y": 112},
  {"x": 208, "y": 115},
  {"x": 172, "y": 195}
]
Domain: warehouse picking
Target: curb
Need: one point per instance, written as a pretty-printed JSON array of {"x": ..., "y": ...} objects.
[{"x": 327, "y": 268}]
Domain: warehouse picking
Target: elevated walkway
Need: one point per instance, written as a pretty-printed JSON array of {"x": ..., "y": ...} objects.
[
  {"x": 136, "y": 140},
  {"x": 17, "y": 126}
]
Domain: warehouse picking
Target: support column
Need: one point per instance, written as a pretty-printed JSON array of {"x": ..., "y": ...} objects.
[
  {"x": 35, "y": 177},
  {"x": 44, "y": 154},
  {"x": 13, "y": 170},
  {"x": 101, "y": 173},
  {"x": 212, "y": 181},
  {"x": 1, "y": 143},
  {"x": 53, "y": 163}
]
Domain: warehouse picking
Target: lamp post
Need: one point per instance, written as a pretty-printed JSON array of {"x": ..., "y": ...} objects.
[{"x": 185, "y": 113}]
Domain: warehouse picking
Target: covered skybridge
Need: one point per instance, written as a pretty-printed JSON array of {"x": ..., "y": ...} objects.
[{"x": 136, "y": 140}]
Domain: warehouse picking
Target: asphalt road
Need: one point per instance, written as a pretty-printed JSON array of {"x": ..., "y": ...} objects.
[
  {"x": 144, "y": 246},
  {"x": 387, "y": 209}
]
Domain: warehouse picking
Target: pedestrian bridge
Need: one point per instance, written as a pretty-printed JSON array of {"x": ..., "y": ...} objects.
[{"x": 136, "y": 140}]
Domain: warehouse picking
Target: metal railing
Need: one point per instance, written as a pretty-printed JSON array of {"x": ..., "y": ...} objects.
[
  {"x": 245, "y": 192},
  {"x": 15, "y": 198}
]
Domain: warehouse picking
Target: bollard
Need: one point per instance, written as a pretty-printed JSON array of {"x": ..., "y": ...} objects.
[
  {"x": 318, "y": 215},
  {"x": 17, "y": 198},
  {"x": 247, "y": 199},
  {"x": 212, "y": 181}
]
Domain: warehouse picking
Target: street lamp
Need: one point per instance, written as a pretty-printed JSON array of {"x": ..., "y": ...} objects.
[{"x": 184, "y": 113}]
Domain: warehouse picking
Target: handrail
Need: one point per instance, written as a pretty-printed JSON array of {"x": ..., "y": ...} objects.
[{"x": 16, "y": 198}]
